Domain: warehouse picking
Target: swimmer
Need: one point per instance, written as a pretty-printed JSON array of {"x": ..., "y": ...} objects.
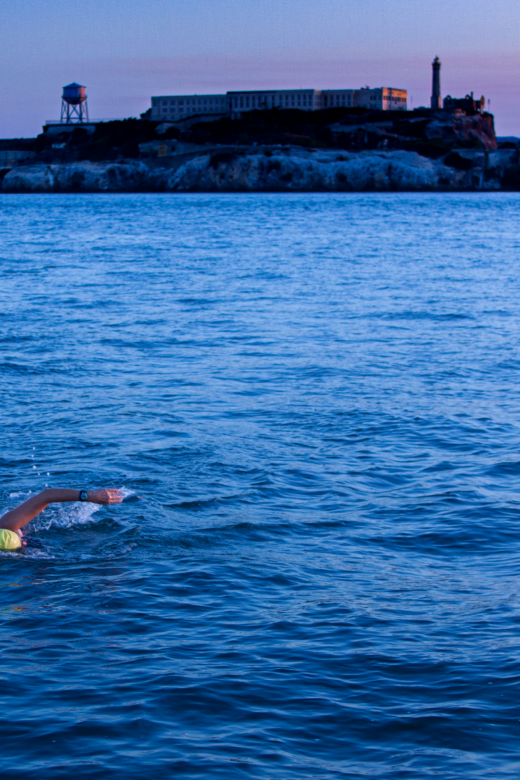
[{"x": 11, "y": 535}]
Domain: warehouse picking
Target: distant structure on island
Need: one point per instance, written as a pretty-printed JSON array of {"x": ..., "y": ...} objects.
[
  {"x": 74, "y": 108},
  {"x": 436, "y": 100},
  {"x": 74, "y": 112},
  {"x": 172, "y": 108},
  {"x": 466, "y": 104},
  {"x": 234, "y": 104}
]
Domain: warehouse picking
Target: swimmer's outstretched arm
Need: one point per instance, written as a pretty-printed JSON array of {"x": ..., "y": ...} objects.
[{"x": 23, "y": 514}]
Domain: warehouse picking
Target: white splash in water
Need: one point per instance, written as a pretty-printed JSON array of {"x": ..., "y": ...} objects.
[
  {"x": 70, "y": 514},
  {"x": 65, "y": 516},
  {"x": 26, "y": 552}
]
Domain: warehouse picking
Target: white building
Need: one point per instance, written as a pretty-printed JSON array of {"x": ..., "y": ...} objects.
[
  {"x": 303, "y": 99},
  {"x": 381, "y": 98},
  {"x": 172, "y": 108}
]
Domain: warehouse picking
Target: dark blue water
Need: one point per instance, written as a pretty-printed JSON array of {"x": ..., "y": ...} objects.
[{"x": 312, "y": 403}]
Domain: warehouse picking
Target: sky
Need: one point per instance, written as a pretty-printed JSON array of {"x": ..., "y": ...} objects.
[{"x": 125, "y": 51}]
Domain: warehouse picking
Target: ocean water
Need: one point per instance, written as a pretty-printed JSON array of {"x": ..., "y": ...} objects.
[{"x": 312, "y": 404}]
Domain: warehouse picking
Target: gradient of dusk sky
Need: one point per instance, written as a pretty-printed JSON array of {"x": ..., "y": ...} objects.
[{"x": 124, "y": 51}]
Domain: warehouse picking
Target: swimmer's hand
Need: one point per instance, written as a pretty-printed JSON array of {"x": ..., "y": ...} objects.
[{"x": 105, "y": 496}]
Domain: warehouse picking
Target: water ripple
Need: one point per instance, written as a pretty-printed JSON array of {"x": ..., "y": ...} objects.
[{"x": 311, "y": 403}]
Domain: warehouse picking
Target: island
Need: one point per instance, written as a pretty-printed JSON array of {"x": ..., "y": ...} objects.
[{"x": 278, "y": 150}]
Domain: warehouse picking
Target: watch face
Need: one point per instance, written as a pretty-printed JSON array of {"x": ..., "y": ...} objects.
[{"x": 83, "y": 495}]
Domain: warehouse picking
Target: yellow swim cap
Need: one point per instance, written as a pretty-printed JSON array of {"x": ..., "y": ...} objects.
[{"x": 9, "y": 540}]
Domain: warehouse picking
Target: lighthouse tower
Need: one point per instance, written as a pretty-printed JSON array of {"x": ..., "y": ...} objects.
[{"x": 436, "y": 101}]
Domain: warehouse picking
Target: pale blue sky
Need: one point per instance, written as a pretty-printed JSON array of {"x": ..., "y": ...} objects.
[{"x": 126, "y": 50}]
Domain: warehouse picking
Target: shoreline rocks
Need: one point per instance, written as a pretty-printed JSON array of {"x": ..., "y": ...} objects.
[{"x": 239, "y": 169}]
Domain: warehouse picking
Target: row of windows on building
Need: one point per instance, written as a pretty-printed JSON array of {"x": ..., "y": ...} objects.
[
  {"x": 274, "y": 100},
  {"x": 183, "y": 104}
]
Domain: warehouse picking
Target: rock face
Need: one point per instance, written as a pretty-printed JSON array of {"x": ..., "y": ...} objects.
[
  {"x": 283, "y": 170},
  {"x": 325, "y": 171},
  {"x": 455, "y": 127},
  {"x": 82, "y": 177}
]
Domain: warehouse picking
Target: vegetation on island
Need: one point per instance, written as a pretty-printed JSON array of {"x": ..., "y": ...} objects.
[{"x": 350, "y": 129}]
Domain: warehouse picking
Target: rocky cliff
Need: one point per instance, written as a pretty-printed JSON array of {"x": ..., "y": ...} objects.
[
  {"x": 278, "y": 170},
  {"x": 279, "y": 151}
]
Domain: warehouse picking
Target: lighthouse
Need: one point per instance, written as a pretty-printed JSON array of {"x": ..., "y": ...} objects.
[{"x": 436, "y": 101}]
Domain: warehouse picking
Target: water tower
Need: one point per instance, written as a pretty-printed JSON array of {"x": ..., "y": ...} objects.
[{"x": 74, "y": 108}]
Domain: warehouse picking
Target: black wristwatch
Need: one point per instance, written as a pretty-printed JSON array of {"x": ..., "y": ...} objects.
[{"x": 82, "y": 495}]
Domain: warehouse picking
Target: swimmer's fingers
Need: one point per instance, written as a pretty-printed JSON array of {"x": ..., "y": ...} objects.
[
  {"x": 105, "y": 496},
  {"x": 115, "y": 496}
]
